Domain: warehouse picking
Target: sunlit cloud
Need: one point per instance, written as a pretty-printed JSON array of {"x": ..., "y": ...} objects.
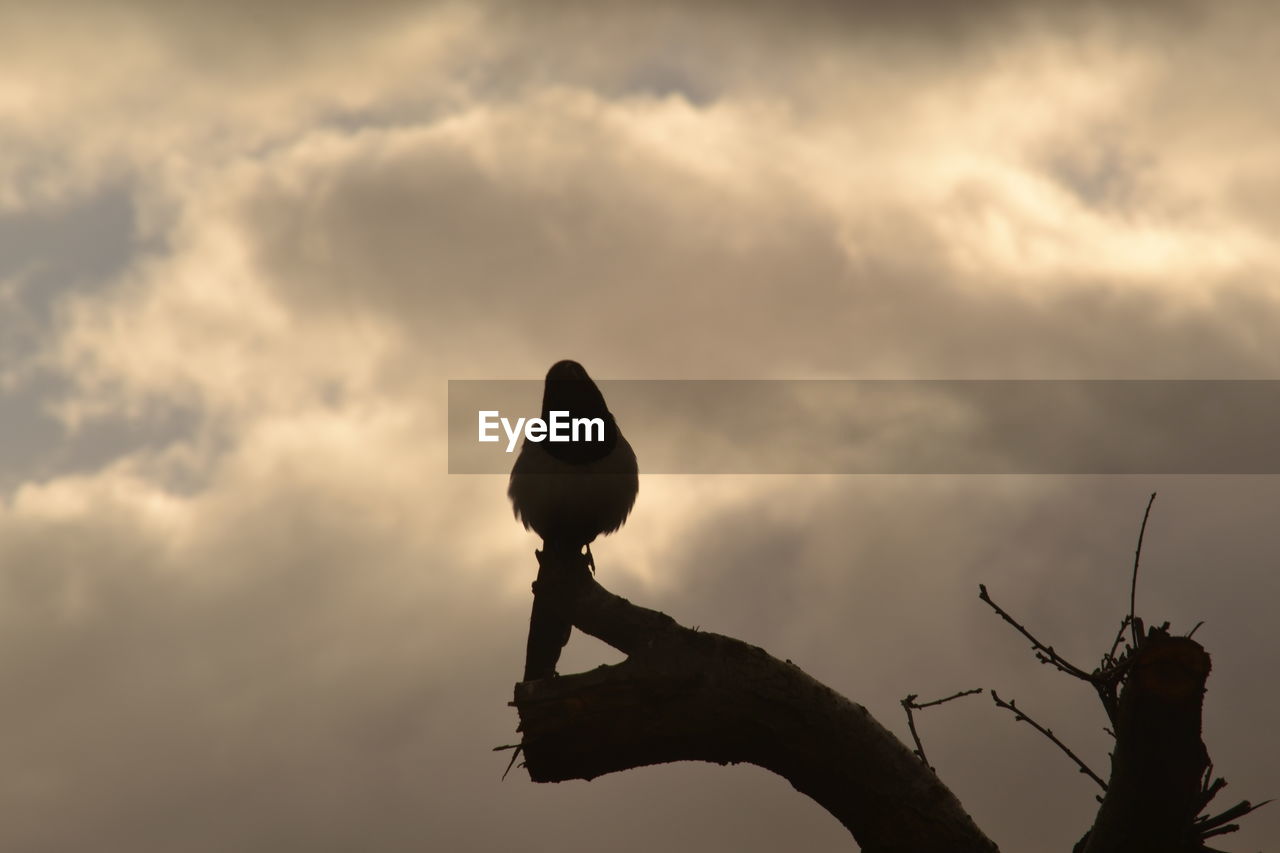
[{"x": 257, "y": 240}]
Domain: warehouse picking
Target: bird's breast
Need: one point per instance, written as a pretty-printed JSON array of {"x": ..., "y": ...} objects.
[{"x": 573, "y": 502}]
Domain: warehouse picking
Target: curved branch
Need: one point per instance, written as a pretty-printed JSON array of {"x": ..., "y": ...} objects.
[{"x": 684, "y": 695}]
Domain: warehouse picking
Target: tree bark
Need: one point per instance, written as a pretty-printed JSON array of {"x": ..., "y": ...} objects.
[
  {"x": 1159, "y": 762},
  {"x": 687, "y": 695}
]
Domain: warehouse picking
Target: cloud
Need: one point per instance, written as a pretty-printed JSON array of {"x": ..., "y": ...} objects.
[
  {"x": 158, "y": 645},
  {"x": 252, "y": 611}
]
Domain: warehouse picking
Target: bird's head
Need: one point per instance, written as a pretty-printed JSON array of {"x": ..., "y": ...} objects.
[
  {"x": 569, "y": 388},
  {"x": 567, "y": 369}
]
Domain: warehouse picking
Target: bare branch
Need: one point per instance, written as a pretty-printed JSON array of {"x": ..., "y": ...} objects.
[
  {"x": 1110, "y": 659},
  {"x": 1020, "y": 716},
  {"x": 1209, "y": 790},
  {"x": 909, "y": 704},
  {"x": 1220, "y": 824},
  {"x": 919, "y": 705},
  {"x": 1137, "y": 556},
  {"x": 915, "y": 736},
  {"x": 1044, "y": 654},
  {"x": 514, "y": 755},
  {"x": 689, "y": 695}
]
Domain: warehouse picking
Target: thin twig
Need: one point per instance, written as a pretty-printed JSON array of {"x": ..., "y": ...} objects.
[
  {"x": 1209, "y": 789},
  {"x": 1045, "y": 654},
  {"x": 1110, "y": 659},
  {"x": 909, "y": 704},
  {"x": 1021, "y": 716},
  {"x": 919, "y": 705},
  {"x": 1221, "y": 824},
  {"x": 1137, "y": 555},
  {"x": 517, "y": 747}
]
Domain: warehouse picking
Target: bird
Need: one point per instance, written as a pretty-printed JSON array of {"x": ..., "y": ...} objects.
[{"x": 569, "y": 493}]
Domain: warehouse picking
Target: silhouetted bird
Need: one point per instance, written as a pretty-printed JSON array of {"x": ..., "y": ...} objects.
[{"x": 570, "y": 492}]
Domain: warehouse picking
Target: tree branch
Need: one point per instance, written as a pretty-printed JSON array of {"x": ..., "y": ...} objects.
[
  {"x": 687, "y": 695},
  {"x": 1044, "y": 654},
  {"x": 910, "y": 704},
  {"x": 1020, "y": 716},
  {"x": 1137, "y": 557}
]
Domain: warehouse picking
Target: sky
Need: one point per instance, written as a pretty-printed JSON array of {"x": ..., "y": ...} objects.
[{"x": 243, "y": 247}]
